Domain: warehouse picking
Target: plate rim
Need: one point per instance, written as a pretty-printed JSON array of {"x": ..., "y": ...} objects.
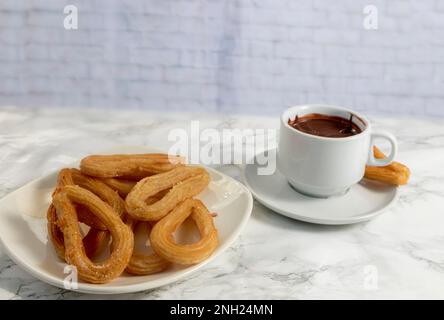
[
  {"x": 295, "y": 216},
  {"x": 136, "y": 287}
]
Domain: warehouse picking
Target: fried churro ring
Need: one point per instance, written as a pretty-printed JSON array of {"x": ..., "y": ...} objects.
[
  {"x": 185, "y": 182},
  {"x": 122, "y": 186},
  {"x": 121, "y": 234},
  {"x": 94, "y": 239},
  {"x": 395, "y": 173},
  {"x": 144, "y": 264},
  {"x": 129, "y": 165},
  {"x": 162, "y": 240}
]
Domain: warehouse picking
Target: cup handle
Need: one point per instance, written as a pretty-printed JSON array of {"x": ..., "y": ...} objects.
[{"x": 372, "y": 161}]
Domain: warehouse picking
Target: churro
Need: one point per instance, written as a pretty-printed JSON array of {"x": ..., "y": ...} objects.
[
  {"x": 129, "y": 166},
  {"x": 123, "y": 240},
  {"x": 395, "y": 173},
  {"x": 185, "y": 182},
  {"x": 164, "y": 244},
  {"x": 94, "y": 239}
]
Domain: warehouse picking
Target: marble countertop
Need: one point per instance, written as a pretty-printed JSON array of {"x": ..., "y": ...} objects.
[{"x": 275, "y": 257}]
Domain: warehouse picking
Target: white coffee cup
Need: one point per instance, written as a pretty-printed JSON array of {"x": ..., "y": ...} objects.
[{"x": 324, "y": 166}]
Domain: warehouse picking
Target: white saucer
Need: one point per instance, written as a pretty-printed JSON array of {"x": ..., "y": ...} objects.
[{"x": 361, "y": 203}]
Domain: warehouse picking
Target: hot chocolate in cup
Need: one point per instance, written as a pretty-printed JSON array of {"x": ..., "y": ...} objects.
[{"x": 323, "y": 150}]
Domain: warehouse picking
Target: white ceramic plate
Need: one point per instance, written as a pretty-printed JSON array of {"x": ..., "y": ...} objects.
[
  {"x": 362, "y": 202},
  {"x": 23, "y": 231}
]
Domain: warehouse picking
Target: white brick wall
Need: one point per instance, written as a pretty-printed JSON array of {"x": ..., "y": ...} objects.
[{"x": 228, "y": 56}]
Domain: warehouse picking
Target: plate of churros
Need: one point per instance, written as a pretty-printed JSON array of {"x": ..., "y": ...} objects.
[{"x": 122, "y": 221}]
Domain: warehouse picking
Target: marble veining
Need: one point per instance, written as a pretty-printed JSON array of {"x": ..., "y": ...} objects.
[{"x": 275, "y": 257}]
